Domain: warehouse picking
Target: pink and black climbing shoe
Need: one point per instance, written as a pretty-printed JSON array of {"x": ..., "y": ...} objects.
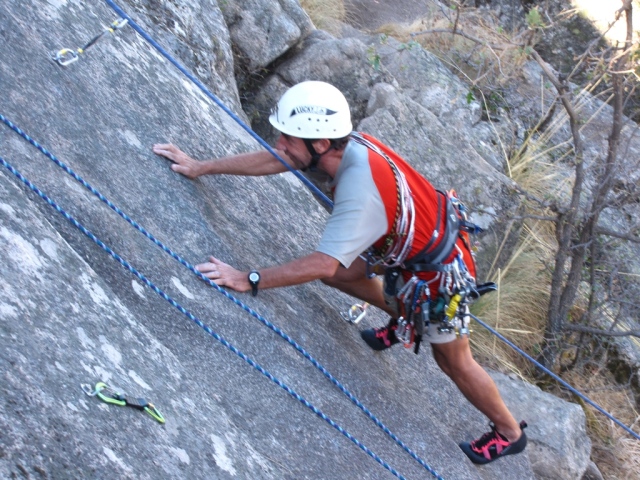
[
  {"x": 381, "y": 338},
  {"x": 492, "y": 445}
]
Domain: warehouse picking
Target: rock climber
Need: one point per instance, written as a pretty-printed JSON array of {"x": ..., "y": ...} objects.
[{"x": 386, "y": 219}]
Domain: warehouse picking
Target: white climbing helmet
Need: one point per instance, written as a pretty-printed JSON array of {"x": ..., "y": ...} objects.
[{"x": 312, "y": 110}]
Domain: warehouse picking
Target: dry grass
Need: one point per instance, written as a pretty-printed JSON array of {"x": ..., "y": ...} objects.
[
  {"x": 517, "y": 310},
  {"x": 489, "y": 61},
  {"x": 613, "y": 450},
  {"x": 325, "y": 14}
]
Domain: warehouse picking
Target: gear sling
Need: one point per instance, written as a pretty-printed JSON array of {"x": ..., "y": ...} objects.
[{"x": 457, "y": 288}]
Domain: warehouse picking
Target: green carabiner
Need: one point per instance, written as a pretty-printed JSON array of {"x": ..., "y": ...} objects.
[
  {"x": 109, "y": 395},
  {"x": 155, "y": 413}
]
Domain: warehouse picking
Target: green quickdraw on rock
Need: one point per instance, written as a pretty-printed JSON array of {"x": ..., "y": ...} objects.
[
  {"x": 67, "y": 56},
  {"x": 109, "y": 395}
]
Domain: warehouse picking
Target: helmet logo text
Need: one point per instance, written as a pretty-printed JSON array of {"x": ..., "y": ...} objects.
[{"x": 313, "y": 110}]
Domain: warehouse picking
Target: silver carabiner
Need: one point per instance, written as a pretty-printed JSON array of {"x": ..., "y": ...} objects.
[
  {"x": 91, "y": 391},
  {"x": 65, "y": 57},
  {"x": 404, "y": 332},
  {"x": 355, "y": 314},
  {"x": 119, "y": 23}
]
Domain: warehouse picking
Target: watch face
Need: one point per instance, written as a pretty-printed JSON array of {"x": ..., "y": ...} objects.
[{"x": 254, "y": 277}]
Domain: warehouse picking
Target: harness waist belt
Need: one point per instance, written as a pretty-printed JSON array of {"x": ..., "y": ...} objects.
[{"x": 432, "y": 261}]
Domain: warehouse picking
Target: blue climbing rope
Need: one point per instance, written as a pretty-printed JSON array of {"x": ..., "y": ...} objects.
[
  {"x": 218, "y": 102},
  {"x": 249, "y": 310},
  {"x": 557, "y": 378},
  {"x": 195, "y": 319}
]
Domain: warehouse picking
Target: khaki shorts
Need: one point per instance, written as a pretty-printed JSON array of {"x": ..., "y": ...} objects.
[{"x": 433, "y": 335}]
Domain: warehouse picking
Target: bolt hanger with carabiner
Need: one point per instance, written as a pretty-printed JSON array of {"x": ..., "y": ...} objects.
[{"x": 67, "y": 56}]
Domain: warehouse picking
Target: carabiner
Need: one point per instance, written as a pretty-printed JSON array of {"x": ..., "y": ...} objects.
[
  {"x": 154, "y": 413},
  {"x": 355, "y": 314},
  {"x": 92, "y": 392},
  {"x": 119, "y": 23},
  {"x": 65, "y": 57}
]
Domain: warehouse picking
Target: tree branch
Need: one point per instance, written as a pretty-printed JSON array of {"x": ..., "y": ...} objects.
[
  {"x": 551, "y": 206},
  {"x": 626, "y": 5},
  {"x": 598, "y": 331},
  {"x": 563, "y": 292},
  {"x": 623, "y": 236},
  {"x": 533, "y": 217}
]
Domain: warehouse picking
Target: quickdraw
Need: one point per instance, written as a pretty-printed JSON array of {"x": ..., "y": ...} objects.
[
  {"x": 67, "y": 56},
  {"x": 109, "y": 395},
  {"x": 455, "y": 307}
]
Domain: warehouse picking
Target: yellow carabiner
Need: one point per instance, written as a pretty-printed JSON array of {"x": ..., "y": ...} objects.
[{"x": 452, "y": 308}]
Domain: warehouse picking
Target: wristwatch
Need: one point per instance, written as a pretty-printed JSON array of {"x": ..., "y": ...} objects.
[{"x": 254, "y": 280}]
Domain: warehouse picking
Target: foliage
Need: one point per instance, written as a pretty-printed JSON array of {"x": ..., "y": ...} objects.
[
  {"x": 517, "y": 310},
  {"x": 374, "y": 58},
  {"x": 534, "y": 19}
]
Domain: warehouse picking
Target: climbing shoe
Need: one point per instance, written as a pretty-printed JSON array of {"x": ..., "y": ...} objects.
[
  {"x": 492, "y": 445},
  {"x": 381, "y": 338}
]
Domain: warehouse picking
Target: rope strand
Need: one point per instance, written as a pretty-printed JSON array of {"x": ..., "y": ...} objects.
[
  {"x": 220, "y": 104},
  {"x": 195, "y": 319},
  {"x": 221, "y": 290},
  {"x": 557, "y": 378}
]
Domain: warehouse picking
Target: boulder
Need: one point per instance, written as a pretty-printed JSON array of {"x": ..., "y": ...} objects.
[
  {"x": 427, "y": 81},
  {"x": 184, "y": 29},
  {"x": 592, "y": 473},
  {"x": 341, "y": 62},
  {"x": 264, "y": 31}
]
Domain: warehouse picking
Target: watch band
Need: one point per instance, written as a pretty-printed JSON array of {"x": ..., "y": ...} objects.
[{"x": 254, "y": 280}]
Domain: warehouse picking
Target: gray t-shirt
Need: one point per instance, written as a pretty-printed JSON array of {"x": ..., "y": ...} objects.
[{"x": 359, "y": 218}]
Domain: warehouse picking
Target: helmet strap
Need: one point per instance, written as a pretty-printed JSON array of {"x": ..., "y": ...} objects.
[{"x": 315, "y": 156}]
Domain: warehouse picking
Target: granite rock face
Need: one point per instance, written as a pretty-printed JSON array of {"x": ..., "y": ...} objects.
[{"x": 70, "y": 314}]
